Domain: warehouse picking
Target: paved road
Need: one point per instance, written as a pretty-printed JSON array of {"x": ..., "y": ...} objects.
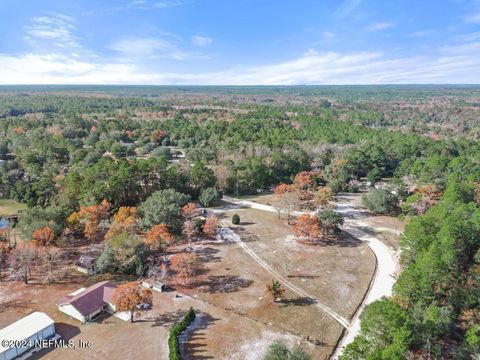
[{"x": 383, "y": 279}]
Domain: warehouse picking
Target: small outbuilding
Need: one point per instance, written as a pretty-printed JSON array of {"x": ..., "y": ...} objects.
[
  {"x": 28, "y": 330},
  {"x": 154, "y": 285},
  {"x": 87, "y": 304},
  {"x": 86, "y": 264}
]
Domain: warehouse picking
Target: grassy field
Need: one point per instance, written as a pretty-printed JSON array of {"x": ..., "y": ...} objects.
[
  {"x": 10, "y": 207},
  {"x": 229, "y": 293}
]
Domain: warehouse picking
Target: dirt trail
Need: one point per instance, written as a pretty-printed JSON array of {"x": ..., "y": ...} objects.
[
  {"x": 382, "y": 282},
  {"x": 229, "y": 235}
]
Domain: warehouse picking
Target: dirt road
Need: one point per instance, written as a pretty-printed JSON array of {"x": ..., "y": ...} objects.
[{"x": 382, "y": 282}]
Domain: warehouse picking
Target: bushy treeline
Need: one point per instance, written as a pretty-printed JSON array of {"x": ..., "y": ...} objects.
[
  {"x": 435, "y": 310},
  {"x": 175, "y": 331}
]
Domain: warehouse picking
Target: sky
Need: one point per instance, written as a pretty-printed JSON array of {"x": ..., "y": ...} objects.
[{"x": 239, "y": 42}]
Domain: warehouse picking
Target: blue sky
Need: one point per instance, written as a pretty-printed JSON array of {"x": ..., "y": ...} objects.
[{"x": 268, "y": 42}]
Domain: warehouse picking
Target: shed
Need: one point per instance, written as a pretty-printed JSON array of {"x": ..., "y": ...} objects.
[
  {"x": 154, "y": 285},
  {"x": 86, "y": 264},
  {"x": 34, "y": 327}
]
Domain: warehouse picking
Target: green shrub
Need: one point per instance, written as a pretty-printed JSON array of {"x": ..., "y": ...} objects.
[
  {"x": 279, "y": 351},
  {"x": 209, "y": 196},
  {"x": 380, "y": 201},
  {"x": 175, "y": 331},
  {"x": 374, "y": 176},
  {"x": 235, "y": 219}
]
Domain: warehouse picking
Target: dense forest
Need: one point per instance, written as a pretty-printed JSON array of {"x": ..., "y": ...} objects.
[{"x": 64, "y": 149}]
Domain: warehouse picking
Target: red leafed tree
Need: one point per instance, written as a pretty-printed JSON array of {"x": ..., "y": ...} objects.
[
  {"x": 159, "y": 237},
  {"x": 281, "y": 189},
  {"x": 128, "y": 296},
  {"x": 307, "y": 227},
  {"x": 43, "y": 237},
  {"x": 88, "y": 218},
  {"x": 185, "y": 266},
  {"x": 211, "y": 226},
  {"x": 303, "y": 181},
  {"x": 190, "y": 210}
]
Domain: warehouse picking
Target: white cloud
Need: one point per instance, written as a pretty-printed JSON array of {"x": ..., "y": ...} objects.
[
  {"x": 346, "y": 8},
  {"x": 473, "y": 18},
  {"x": 456, "y": 62},
  {"x": 151, "y": 5},
  {"x": 377, "y": 26},
  {"x": 451, "y": 65},
  {"x": 201, "y": 40},
  {"x": 57, "y": 29},
  {"x": 421, "y": 33},
  {"x": 168, "y": 48},
  {"x": 327, "y": 35}
]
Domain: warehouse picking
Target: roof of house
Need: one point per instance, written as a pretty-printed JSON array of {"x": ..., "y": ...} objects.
[
  {"x": 91, "y": 299},
  {"x": 85, "y": 261},
  {"x": 25, "y": 327}
]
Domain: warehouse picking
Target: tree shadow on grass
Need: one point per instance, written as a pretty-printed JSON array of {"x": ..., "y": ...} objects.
[
  {"x": 215, "y": 284},
  {"x": 208, "y": 254},
  {"x": 244, "y": 234},
  {"x": 343, "y": 239},
  {"x": 300, "y": 301},
  {"x": 195, "y": 347},
  {"x": 303, "y": 276},
  {"x": 164, "y": 319}
]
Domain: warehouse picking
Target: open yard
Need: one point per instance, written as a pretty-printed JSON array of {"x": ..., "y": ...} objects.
[
  {"x": 10, "y": 207},
  {"x": 237, "y": 318}
]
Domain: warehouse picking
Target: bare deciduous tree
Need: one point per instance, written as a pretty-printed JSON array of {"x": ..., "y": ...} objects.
[{"x": 22, "y": 258}]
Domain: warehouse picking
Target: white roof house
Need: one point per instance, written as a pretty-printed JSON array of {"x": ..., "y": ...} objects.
[{"x": 34, "y": 327}]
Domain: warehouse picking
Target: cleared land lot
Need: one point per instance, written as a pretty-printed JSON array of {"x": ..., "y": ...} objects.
[{"x": 237, "y": 319}]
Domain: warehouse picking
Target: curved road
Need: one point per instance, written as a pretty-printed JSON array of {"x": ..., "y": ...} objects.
[{"x": 383, "y": 279}]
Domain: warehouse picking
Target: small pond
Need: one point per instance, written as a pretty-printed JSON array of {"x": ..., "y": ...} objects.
[{"x": 4, "y": 223}]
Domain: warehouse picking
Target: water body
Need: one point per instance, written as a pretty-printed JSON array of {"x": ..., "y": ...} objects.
[{"x": 4, "y": 223}]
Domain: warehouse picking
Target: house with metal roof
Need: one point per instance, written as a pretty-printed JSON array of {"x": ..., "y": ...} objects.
[
  {"x": 87, "y": 304},
  {"x": 27, "y": 331}
]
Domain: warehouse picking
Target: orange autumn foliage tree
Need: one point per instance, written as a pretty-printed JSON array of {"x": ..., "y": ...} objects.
[
  {"x": 88, "y": 218},
  {"x": 190, "y": 210},
  {"x": 303, "y": 181},
  {"x": 210, "y": 228},
  {"x": 307, "y": 227},
  {"x": 185, "y": 265},
  {"x": 124, "y": 220},
  {"x": 306, "y": 182},
  {"x": 281, "y": 189},
  {"x": 159, "y": 237},
  {"x": 324, "y": 196},
  {"x": 43, "y": 237},
  {"x": 126, "y": 297},
  {"x": 430, "y": 191},
  {"x": 44, "y": 240}
]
